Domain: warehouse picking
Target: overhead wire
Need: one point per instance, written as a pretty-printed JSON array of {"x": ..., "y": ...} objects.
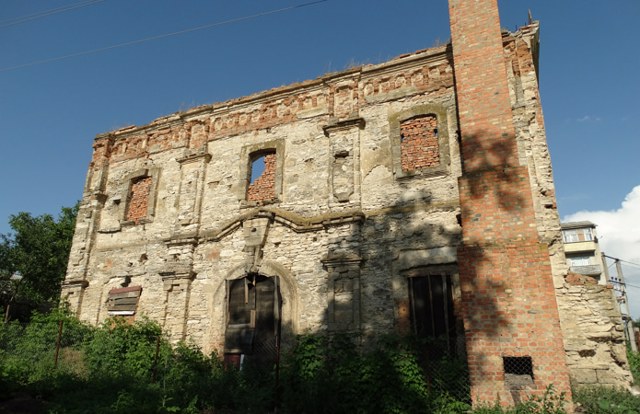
[
  {"x": 621, "y": 260},
  {"x": 23, "y": 19},
  {"x": 161, "y": 36},
  {"x": 630, "y": 263}
]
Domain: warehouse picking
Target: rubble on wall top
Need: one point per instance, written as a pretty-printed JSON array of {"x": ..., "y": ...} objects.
[{"x": 435, "y": 52}]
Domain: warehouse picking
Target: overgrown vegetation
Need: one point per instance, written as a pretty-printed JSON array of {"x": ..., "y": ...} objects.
[
  {"x": 610, "y": 401},
  {"x": 124, "y": 368},
  {"x": 634, "y": 364},
  {"x": 131, "y": 368}
]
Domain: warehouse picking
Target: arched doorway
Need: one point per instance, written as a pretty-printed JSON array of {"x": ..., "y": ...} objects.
[{"x": 254, "y": 308}]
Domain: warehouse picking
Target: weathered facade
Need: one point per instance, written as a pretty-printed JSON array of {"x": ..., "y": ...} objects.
[{"x": 390, "y": 198}]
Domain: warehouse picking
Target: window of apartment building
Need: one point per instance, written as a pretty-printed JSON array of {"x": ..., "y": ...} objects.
[
  {"x": 577, "y": 235},
  {"x": 124, "y": 301},
  {"x": 420, "y": 142},
  {"x": 579, "y": 260},
  {"x": 432, "y": 315}
]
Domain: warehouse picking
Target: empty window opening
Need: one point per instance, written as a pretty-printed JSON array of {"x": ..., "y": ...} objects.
[
  {"x": 432, "y": 316},
  {"x": 518, "y": 371},
  {"x": 138, "y": 199},
  {"x": 262, "y": 179},
  {"x": 419, "y": 143},
  {"x": 253, "y": 319}
]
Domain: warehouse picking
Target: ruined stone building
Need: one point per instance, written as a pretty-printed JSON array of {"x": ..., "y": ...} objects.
[{"x": 410, "y": 196}]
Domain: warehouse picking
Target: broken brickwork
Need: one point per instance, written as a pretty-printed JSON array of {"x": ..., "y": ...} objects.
[
  {"x": 344, "y": 231},
  {"x": 264, "y": 186}
]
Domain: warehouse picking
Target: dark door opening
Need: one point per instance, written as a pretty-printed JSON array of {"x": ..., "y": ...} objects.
[
  {"x": 252, "y": 333},
  {"x": 432, "y": 315}
]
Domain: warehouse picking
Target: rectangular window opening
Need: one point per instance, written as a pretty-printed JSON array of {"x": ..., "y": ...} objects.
[
  {"x": 138, "y": 199},
  {"x": 518, "y": 371},
  {"x": 419, "y": 147},
  {"x": 262, "y": 176},
  {"x": 432, "y": 314}
]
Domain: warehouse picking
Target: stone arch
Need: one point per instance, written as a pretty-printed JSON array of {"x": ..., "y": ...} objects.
[{"x": 288, "y": 291}]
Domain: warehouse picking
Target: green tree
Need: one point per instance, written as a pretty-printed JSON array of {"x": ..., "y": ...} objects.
[{"x": 33, "y": 259}]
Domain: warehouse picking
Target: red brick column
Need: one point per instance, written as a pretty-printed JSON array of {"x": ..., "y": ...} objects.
[{"x": 509, "y": 307}]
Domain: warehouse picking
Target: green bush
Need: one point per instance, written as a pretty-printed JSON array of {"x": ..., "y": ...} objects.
[
  {"x": 332, "y": 375},
  {"x": 28, "y": 353},
  {"x": 125, "y": 351},
  {"x": 634, "y": 364},
  {"x": 599, "y": 400},
  {"x": 123, "y": 368}
]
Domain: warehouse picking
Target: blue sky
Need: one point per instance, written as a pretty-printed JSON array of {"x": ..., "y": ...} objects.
[{"x": 50, "y": 113}]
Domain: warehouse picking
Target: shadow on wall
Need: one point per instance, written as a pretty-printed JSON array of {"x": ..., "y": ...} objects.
[
  {"x": 404, "y": 285},
  {"x": 396, "y": 272}
]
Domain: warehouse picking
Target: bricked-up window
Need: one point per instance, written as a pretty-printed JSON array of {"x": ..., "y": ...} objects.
[
  {"x": 419, "y": 143},
  {"x": 124, "y": 301},
  {"x": 262, "y": 182},
  {"x": 138, "y": 199},
  {"x": 432, "y": 316}
]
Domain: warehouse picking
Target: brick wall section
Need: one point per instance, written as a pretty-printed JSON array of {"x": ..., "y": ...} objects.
[
  {"x": 138, "y": 199},
  {"x": 419, "y": 144},
  {"x": 263, "y": 188},
  {"x": 484, "y": 107},
  {"x": 509, "y": 305}
]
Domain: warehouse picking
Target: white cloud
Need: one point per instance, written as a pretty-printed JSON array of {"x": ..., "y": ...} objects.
[
  {"x": 589, "y": 118},
  {"x": 619, "y": 235}
]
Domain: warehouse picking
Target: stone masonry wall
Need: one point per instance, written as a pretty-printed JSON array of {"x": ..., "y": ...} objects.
[
  {"x": 594, "y": 336},
  {"x": 339, "y": 217}
]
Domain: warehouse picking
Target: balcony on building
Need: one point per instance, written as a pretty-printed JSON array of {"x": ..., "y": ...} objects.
[{"x": 582, "y": 249}]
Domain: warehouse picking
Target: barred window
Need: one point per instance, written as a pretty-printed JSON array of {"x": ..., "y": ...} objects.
[{"x": 432, "y": 315}]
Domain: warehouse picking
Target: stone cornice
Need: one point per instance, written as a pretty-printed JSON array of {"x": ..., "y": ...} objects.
[{"x": 296, "y": 222}]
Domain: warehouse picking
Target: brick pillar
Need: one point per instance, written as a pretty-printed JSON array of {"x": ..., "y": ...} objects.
[{"x": 513, "y": 337}]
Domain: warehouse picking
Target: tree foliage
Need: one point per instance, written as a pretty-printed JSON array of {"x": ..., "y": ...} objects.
[{"x": 37, "y": 249}]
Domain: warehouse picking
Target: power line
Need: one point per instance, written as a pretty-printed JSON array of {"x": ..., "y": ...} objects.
[
  {"x": 623, "y": 261},
  {"x": 161, "y": 36},
  {"x": 630, "y": 263},
  {"x": 23, "y": 19}
]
